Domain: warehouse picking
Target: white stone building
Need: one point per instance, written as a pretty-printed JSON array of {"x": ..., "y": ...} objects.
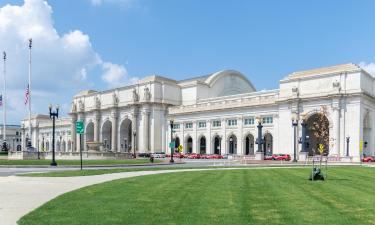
[
  {"x": 13, "y": 136},
  {"x": 218, "y": 113}
]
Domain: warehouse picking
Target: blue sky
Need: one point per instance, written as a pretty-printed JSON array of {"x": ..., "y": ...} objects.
[{"x": 265, "y": 40}]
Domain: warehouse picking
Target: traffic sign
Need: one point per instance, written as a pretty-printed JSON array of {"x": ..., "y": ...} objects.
[
  {"x": 79, "y": 127},
  {"x": 172, "y": 144},
  {"x": 180, "y": 148}
]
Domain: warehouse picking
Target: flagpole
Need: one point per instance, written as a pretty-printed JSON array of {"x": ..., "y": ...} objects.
[
  {"x": 4, "y": 100},
  {"x": 30, "y": 45}
]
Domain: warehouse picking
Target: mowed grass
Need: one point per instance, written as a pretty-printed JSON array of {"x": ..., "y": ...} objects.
[
  {"x": 245, "y": 196},
  {"x": 90, "y": 162}
]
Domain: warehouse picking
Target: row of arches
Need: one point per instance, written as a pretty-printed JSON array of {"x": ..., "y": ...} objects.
[
  {"x": 60, "y": 146},
  {"x": 316, "y": 123},
  {"x": 231, "y": 142},
  {"x": 125, "y": 135}
]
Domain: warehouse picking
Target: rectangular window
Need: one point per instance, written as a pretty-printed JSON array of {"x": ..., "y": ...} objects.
[
  {"x": 249, "y": 121},
  {"x": 176, "y": 126},
  {"x": 216, "y": 123},
  {"x": 267, "y": 120},
  {"x": 188, "y": 125},
  {"x": 232, "y": 122},
  {"x": 201, "y": 124},
  {"x": 16, "y": 133}
]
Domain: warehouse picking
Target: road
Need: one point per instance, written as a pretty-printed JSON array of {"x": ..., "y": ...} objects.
[{"x": 14, "y": 170}]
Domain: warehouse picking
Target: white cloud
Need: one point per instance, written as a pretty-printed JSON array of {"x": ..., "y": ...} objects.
[
  {"x": 62, "y": 63},
  {"x": 123, "y": 3},
  {"x": 116, "y": 75},
  {"x": 369, "y": 67}
]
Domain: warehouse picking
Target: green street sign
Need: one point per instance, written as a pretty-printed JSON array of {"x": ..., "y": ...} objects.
[
  {"x": 79, "y": 127},
  {"x": 171, "y": 144}
]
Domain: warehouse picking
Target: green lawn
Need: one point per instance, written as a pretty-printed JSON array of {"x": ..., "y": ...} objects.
[
  {"x": 75, "y": 162},
  {"x": 246, "y": 196}
]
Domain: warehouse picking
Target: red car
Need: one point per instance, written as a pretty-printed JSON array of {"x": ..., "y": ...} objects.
[
  {"x": 217, "y": 156},
  {"x": 269, "y": 157},
  {"x": 284, "y": 157},
  {"x": 368, "y": 159}
]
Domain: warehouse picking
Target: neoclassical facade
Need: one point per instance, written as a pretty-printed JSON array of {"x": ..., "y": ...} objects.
[{"x": 219, "y": 113}]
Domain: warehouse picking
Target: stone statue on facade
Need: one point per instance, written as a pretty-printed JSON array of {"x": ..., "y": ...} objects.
[
  {"x": 97, "y": 102},
  {"x": 115, "y": 99},
  {"x": 74, "y": 107},
  {"x": 81, "y": 106},
  {"x": 147, "y": 94},
  {"x": 135, "y": 95}
]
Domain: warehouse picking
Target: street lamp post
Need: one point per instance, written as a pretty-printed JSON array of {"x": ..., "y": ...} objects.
[
  {"x": 231, "y": 145},
  {"x": 60, "y": 143},
  {"x": 347, "y": 145},
  {"x": 44, "y": 145},
  {"x": 259, "y": 140},
  {"x": 134, "y": 143},
  {"x": 38, "y": 149},
  {"x": 303, "y": 140},
  {"x": 53, "y": 115},
  {"x": 172, "y": 151},
  {"x": 295, "y": 124}
]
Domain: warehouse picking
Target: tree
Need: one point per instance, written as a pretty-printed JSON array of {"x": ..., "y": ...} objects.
[{"x": 320, "y": 129}]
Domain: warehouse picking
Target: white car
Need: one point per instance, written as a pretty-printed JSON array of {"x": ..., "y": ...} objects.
[{"x": 159, "y": 155}]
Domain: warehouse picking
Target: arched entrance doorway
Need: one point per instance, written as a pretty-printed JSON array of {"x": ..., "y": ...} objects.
[
  {"x": 90, "y": 132},
  {"x": 318, "y": 133},
  {"x": 249, "y": 144},
  {"x": 268, "y": 144},
  {"x": 107, "y": 135},
  {"x": 189, "y": 145},
  {"x": 232, "y": 144},
  {"x": 126, "y": 135},
  {"x": 176, "y": 142},
  {"x": 217, "y": 145},
  {"x": 202, "y": 145}
]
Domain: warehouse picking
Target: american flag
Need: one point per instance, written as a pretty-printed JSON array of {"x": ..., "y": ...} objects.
[
  {"x": 1, "y": 100},
  {"x": 27, "y": 94}
]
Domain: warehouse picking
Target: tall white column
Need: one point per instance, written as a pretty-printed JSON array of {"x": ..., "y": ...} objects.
[
  {"x": 114, "y": 131},
  {"x": 336, "y": 128},
  {"x": 146, "y": 130},
  {"x": 97, "y": 127},
  {"x": 73, "y": 132},
  {"x": 134, "y": 143}
]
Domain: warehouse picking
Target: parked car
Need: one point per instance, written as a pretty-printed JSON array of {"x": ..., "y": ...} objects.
[
  {"x": 144, "y": 155},
  {"x": 284, "y": 157},
  {"x": 217, "y": 156},
  {"x": 368, "y": 159},
  {"x": 159, "y": 155},
  {"x": 194, "y": 156},
  {"x": 178, "y": 155},
  {"x": 269, "y": 157}
]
